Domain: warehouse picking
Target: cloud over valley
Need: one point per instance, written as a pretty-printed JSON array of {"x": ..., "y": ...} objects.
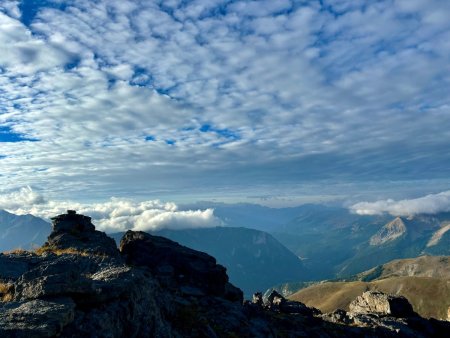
[{"x": 113, "y": 215}]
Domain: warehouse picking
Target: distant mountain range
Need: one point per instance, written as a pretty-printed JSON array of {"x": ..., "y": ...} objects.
[
  {"x": 23, "y": 232},
  {"x": 424, "y": 281},
  {"x": 336, "y": 243}
]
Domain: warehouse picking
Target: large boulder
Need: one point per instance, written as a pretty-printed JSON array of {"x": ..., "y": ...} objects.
[
  {"x": 382, "y": 304},
  {"x": 176, "y": 266}
]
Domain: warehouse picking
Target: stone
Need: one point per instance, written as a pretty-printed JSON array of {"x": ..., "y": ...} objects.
[
  {"x": 74, "y": 231},
  {"x": 382, "y": 304},
  {"x": 276, "y": 302},
  {"x": 339, "y": 316},
  {"x": 35, "y": 318}
]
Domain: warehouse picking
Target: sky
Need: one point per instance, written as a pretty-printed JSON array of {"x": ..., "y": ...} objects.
[{"x": 272, "y": 102}]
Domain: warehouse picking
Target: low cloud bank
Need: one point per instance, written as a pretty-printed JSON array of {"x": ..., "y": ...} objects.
[
  {"x": 429, "y": 204},
  {"x": 113, "y": 215}
]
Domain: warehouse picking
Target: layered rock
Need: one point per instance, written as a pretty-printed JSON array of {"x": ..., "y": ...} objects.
[
  {"x": 72, "y": 231},
  {"x": 177, "y": 266}
]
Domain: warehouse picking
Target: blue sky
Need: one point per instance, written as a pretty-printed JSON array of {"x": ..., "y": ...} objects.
[{"x": 275, "y": 102}]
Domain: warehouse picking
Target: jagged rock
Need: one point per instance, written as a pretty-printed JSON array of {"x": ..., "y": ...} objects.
[
  {"x": 176, "y": 265},
  {"x": 276, "y": 302},
  {"x": 12, "y": 267},
  {"x": 382, "y": 304},
  {"x": 389, "y": 232},
  {"x": 258, "y": 299},
  {"x": 35, "y": 318},
  {"x": 339, "y": 316},
  {"x": 73, "y": 231}
]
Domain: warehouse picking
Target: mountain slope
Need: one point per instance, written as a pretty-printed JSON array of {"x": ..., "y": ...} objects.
[
  {"x": 21, "y": 231},
  {"x": 254, "y": 259},
  {"x": 430, "y": 297},
  {"x": 425, "y": 281},
  {"x": 389, "y": 232}
]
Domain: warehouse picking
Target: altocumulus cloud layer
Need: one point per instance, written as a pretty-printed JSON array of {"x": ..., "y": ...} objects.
[
  {"x": 113, "y": 215},
  {"x": 124, "y": 97},
  {"x": 429, "y": 204}
]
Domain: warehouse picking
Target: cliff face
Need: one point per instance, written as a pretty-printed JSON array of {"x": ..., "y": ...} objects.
[
  {"x": 80, "y": 285},
  {"x": 389, "y": 232}
]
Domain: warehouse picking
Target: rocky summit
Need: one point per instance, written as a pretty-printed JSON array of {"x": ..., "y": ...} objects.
[{"x": 78, "y": 284}]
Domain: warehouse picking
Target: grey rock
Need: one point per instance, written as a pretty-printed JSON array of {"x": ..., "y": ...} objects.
[
  {"x": 379, "y": 303},
  {"x": 74, "y": 231},
  {"x": 339, "y": 316},
  {"x": 176, "y": 265},
  {"x": 35, "y": 318},
  {"x": 12, "y": 267}
]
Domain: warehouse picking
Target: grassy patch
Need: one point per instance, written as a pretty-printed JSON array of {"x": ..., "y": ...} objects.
[
  {"x": 6, "y": 292},
  {"x": 17, "y": 251},
  {"x": 59, "y": 252}
]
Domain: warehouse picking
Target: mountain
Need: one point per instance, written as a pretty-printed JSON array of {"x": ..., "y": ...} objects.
[
  {"x": 424, "y": 281},
  {"x": 21, "y": 231},
  {"x": 80, "y": 285},
  {"x": 254, "y": 259},
  {"x": 333, "y": 242},
  {"x": 403, "y": 237},
  {"x": 389, "y": 232},
  {"x": 326, "y": 237}
]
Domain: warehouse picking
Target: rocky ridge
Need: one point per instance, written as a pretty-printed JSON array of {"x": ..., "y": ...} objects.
[
  {"x": 80, "y": 285},
  {"x": 389, "y": 232}
]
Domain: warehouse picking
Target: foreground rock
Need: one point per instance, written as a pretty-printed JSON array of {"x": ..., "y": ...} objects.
[{"x": 79, "y": 285}]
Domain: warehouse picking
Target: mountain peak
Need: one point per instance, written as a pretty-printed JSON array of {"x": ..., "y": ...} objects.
[{"x": 389, "y": 232}]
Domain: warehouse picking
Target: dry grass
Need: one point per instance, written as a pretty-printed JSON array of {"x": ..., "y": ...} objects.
[
  {"x": 17, "y": 251},
  {"x": 59, "y": 252},
  {"x": 430, "y": 297},
  {"x": 6, "y": 292}
]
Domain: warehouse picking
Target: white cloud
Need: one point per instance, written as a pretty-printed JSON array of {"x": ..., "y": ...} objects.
[
  {"x": 113, "y": 215},
  {"x": 292, "y": 80},
  {"x": 429, "y": 204}
]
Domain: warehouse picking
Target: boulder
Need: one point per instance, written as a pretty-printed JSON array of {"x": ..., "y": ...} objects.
[
  {"x": 382, "y": 304},
  {"x": 176, "y": 265}
]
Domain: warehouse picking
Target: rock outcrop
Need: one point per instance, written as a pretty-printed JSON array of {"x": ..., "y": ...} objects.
[
  {"x": 381, "y": 304},
  {"x": 389, "y": 232},
  {"x": 79, "y": 285},
  {"x": 72, "y": 231},
  {"x": 178, "y": 267}
]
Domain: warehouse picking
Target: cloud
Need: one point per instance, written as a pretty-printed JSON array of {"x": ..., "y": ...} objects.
[
  {"x": 329, "y": 90},
  {"x": 113, "y": 215},
  {"x": 23, "y": 197},
  {"x": 429, "y": 204}
]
